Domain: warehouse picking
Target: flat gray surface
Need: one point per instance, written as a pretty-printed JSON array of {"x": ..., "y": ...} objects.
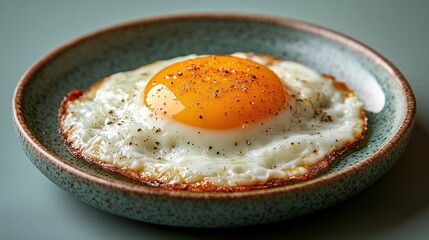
[{"x": 395, "y": 207}]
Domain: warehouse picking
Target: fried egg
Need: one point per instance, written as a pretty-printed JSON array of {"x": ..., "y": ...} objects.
[{"x": 214, "y": 123}]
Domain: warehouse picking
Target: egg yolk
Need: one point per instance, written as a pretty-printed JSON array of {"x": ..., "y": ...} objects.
[{"x": 215, "y": 92}]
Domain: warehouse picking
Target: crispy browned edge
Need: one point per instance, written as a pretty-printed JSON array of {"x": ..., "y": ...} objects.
[{"x": 203, "y": 186}]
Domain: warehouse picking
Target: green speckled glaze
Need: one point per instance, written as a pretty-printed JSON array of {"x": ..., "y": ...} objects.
[{"x": 82, "y": 62}]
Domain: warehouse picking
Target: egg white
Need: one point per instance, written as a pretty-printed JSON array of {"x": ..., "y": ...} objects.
[{"x": 109, "y": 125}]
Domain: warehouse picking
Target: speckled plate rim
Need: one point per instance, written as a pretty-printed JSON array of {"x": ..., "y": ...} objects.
[{"x": 313, "y": 184}]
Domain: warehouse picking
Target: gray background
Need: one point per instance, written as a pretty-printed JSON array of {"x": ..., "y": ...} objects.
[{"x": 395, "y": 207}]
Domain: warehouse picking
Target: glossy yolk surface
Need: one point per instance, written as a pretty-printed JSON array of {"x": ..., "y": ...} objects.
[{"x": 216, "y": 92}]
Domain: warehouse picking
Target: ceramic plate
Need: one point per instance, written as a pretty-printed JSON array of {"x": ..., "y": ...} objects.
[{"x": 389, "y": 102}]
